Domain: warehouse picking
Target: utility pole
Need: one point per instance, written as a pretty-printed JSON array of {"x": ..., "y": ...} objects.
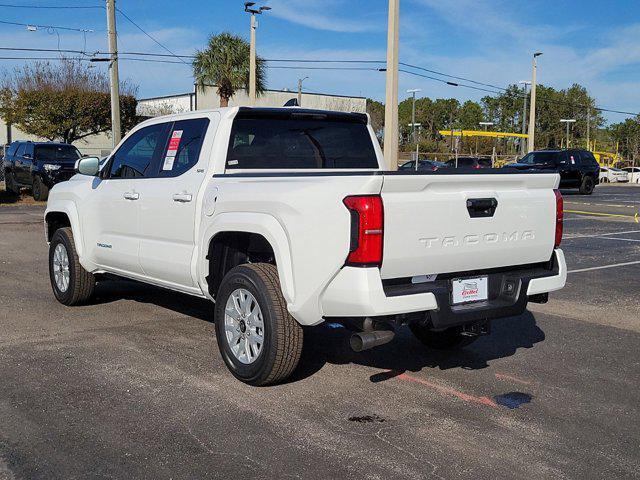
[
  {"x": 532, "y": 110},
  {"x": 391, "y": 99},
  {"x": 588, "y": 127},
  {"x": 568, "y": 121},
  {"x": 300, "y": 80},
  {"x": 524, "y": 115},
  {"x": 114, "y": 77},
  {"x": 252, "y": 48},
  {"x": 413, "y": 114}
]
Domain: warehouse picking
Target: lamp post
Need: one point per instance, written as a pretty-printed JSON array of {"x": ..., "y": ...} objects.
[
  {"x": 532, "y": 110},
  {"x": 252, "y": 49},
  {"x": 413, "y": 113},
  {"x": 300, "y": 80},
  {"x": 524, "y": 84},
  {"x": 567, "y": 121}
]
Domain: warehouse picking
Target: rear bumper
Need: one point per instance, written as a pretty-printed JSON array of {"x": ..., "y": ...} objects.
[{"x": 360, "y": 292}]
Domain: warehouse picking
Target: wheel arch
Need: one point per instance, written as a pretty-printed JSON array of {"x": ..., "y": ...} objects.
[
  {"x": 63, "y": 214},
  {"x": 244, "y": 233}
]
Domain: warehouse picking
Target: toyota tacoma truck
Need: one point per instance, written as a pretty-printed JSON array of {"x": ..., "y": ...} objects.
[{"x": 286, "y": 218}]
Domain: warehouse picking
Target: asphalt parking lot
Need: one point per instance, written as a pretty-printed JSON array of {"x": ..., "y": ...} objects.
[{"x": 132, "y": 386}]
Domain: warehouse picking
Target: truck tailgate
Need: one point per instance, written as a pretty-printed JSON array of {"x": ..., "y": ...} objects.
[{"x": 444, "y": 223}]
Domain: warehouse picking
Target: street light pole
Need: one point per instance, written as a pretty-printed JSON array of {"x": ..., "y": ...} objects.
[
  {"x": 300, "y": 80},
  {"x": 532, "y": 110},
  {"x": 567, "y": 121},
  {"x": 524, "y": 115},
  {"x": 114, "y": 78},
  {"x": 391, "y": 98},
  {"x": 252, "y": 48},
  {"x": 413, "y": 113}
]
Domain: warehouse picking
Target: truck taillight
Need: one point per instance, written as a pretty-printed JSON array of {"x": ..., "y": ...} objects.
[
  {"x": 559, "y": 217},
  {"x": 367, "y": 224}
]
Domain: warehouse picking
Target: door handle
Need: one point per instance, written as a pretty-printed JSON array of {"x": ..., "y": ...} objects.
[
  {"x": 131, "y": 195},
  {"x": 481, "y": 207},
  {"x": 182, "y": 197}
]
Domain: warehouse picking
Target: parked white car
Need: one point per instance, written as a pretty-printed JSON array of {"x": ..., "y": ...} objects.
[
  {"x": 612, "y": 175},
  {"x": 633, "y": 174},
  {"x": 286, "y": 218}
]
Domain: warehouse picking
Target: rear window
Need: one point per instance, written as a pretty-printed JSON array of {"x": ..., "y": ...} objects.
[
  {"x": 57, "y": 152},
  {"x": 540, "y": 158},
  {"x": 300, "y": 141}
]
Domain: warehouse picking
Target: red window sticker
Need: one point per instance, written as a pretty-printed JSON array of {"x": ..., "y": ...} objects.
[{"x": 172, "y": 150}]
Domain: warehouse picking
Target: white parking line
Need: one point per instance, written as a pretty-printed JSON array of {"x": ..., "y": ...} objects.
[
  {"x": 604, "y": 266},
  {"x": 620, "y": 239},
  {"x": 570, "y": 237}
]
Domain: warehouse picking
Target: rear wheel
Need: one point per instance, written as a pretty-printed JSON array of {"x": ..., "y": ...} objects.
[
  {"x": 449, "y": 339},
  {"x": 40, "y": 190},
  {"x": 72, "y": 284},
  {"x": 260, "y": 342},
  {"x": 587, "y": 186}
]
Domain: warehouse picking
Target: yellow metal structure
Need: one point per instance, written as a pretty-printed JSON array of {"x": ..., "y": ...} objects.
[
  {"x": 607, "y": 159},
  {"x": 481, "y": 133}
]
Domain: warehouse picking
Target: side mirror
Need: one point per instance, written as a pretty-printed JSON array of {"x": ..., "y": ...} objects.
[{"x": 88, "y": 166}]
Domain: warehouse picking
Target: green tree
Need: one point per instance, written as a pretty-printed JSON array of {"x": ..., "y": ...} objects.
[
  {"x": 469, "y": 115},
  {"x": 375, "y": 110},
  {"x": 65, "y": 101},
  {"x": 225, "y": 65},
  {"x": 626, "y": 135}
]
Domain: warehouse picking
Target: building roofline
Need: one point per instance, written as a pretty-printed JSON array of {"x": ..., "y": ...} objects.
[
  {"x": 162, "y": 97},
  {"x": 266, "y": 90}
]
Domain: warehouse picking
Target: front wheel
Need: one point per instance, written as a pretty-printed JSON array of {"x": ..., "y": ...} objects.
[
  {"x": 449, "y": 339},
  {"x": 587, "y": 186},
  {"x": 10, "y": 183},
  {"x": 260, "y": 342},
  {"x": 40, "y": 190},
  {"x": 72, "y": 284}
]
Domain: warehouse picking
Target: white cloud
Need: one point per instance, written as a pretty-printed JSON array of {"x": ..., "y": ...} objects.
[{"x": 330, "y": 15}]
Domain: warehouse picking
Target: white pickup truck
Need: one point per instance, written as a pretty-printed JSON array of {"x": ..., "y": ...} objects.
[{"x": 285, "y": 218}]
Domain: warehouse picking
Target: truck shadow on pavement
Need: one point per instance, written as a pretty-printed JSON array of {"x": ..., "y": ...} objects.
[
  {"x": 405, "y": 353},
  {"x": 326, "y": 344}
]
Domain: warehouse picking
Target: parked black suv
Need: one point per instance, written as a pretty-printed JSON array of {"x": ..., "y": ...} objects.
[
  {"x": 38, "y": 165},
  {"x": 470, "y": 162},
  {"x": 577, "y": 168}
]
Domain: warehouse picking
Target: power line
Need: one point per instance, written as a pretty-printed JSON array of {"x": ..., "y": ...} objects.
[
  {"x": 55, "y": 27},
  {"x": 7, "y": 5},
  {"x": 148, "y": 35},
  {"x": 517, "y": 94}
]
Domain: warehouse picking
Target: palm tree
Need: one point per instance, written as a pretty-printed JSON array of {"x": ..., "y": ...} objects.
[{"x": 225, "y": 64}]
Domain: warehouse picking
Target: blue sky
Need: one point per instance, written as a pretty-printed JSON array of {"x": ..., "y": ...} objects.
[{"x": 590, "y": 42}]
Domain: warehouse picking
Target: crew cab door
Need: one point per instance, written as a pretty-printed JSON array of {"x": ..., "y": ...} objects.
[
  {"x": 168, "y": 202},
  {"x": 23, "y": 162},
  {"x": 110, "y": 215}
]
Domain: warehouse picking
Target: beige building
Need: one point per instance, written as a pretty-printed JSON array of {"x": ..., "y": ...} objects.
[{"x": 199, "y": 99}]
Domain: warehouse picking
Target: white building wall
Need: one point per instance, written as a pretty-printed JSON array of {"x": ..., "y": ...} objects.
[
  {"x": 208, "y": 98},
  {"x": 95, "y": 145}
]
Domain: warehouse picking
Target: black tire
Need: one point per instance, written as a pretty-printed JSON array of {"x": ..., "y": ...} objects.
[
  {"x": 587, "y": 185},
  {"x": 10, "y": 183},
  {"x": 604, "y": 180},
  {"x": 449, "y": 339},
  {"x": 81, "y": 283},
  {"x": 39, "y": 189},
  {"x": 282, "y": 347}
]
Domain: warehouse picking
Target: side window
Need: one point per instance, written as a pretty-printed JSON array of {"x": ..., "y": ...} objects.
[
  {"x": 134, "y": 159},
  {"x": 29, "y": 149},
  {"x": 20, "y": 150},
  {"x": 183, "y": 149},
  {"x": 11, "y": 151},
  {"x": 574, "y": 158}
]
